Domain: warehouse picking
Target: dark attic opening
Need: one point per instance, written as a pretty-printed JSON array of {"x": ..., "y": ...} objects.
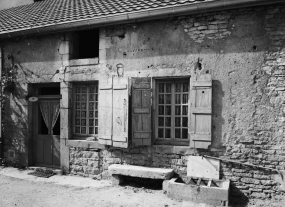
[{"x": 85, "y": 44}]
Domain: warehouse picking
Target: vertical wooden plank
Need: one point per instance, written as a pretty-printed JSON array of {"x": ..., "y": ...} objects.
[
  {"x": 120, "y": 112},
  {"x": 200, "y": 111},
  {"x": 141, "y": 111},
  {"x": 105, "y": 110}
]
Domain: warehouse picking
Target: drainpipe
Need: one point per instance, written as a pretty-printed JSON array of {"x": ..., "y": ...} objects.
[{"x": 1, "y": 139}]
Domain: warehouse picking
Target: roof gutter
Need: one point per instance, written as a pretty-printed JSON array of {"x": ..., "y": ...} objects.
[{"x": 131, "y": 17}]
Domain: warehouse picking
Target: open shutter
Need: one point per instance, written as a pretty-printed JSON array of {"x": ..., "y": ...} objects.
[
  {"x": 105, "y": 109},
  {"x": 141, "y": 111},
  {"x": 200, "y": 111},
  {"x": 120, "y": 111}
]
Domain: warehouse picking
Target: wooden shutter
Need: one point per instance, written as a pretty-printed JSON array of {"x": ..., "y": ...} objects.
[
  {"x": 200, "y": 111},
  {"x": 141, "y": 111},
  {"x": 105, "y": 110},
  {"x": 120, "y": 111}
]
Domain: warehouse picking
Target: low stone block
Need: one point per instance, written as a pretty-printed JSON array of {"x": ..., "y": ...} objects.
[{"x": 141, "y": 172}]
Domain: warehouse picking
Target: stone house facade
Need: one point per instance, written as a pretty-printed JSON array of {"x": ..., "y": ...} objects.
[{"x": 83, "y": 99}]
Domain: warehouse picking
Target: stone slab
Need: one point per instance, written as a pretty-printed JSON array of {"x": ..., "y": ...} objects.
[
  {"x": 198, "y": 166},
  {"x": 141, "y": 172}
]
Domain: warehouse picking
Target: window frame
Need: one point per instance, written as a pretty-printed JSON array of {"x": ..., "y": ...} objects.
[
  {"x": 76, "y": 136},
  {"x": 172, "y": 141}
]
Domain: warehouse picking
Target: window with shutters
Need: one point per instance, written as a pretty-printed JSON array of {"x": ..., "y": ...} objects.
[
  {"x": 172, "y": 105},
  {"x": 85, "y": 110}
]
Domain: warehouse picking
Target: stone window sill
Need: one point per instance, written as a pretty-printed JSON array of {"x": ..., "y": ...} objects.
[
  {"x": 85, "y": 144},
  {"x": 82, "y": 62}
]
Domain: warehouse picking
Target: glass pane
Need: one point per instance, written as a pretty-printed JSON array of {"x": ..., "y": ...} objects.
[
  {"x": 168, "y": 99},
  {"x": 96, "y": 97},
  {"x": 83, "y": 122},
  {"x": 178, "y": 99},
  {"x": 91, "y": 122},
  {"x": 178, "y": 87},
  {"x": 185, "y": 98},
  {"x": 167, "y": 133},
  {"x": 77, "y": 106},
  {"x": 96, "y": 130},
  {"x": 91, "y": 106},
  {"x": 83, "y": 130},
  {"x": 161, "y": 99},
  {"x": 161, "y": 87},
  {"x": 77, "y": 114},
  {"x": 168, "y": 87},
  {"x": 77, "y": 97},
  {"x": 83, "y": 98},
  {"x": 91, "y": 130},
  {"x": 184, "y": 121},
  {"x": 160, "y": 133},
  {"x": 167, "y": 110},
  {"x": 184, "y": 133},
  {"x": 160, "y": 121},
  {"x": 92, "y": 89},
  {"x": 161, "y": 110},
  {"x": 96, "y": 114},
  {"x": 77, "y": 89},
  {"x": 177, "y": 122},
  {"x": 96, "y": 106},
  {"x": 185, "y": 87},
  {"x": 84, "y": 89},
  {"x": 177, "y": 133},
  {"x": 177, "y": 110},
  {"x": 92, "y": 97},
  {"x": 77, "y": 130},
  {"x": 96, "y": 122},
  {"x": 96, "y": 89},
  {"x": 184, "y": 110},
  {"x": 77, "y": 122},
  {"x": 83, "y": 114},
  {"x": 83, "y": 105},
  {"x": 91, "y": 114},
  {"x": 168, "y": 121}
]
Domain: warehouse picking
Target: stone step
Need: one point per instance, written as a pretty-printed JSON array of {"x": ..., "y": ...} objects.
[{"x": 141, "y": 171}]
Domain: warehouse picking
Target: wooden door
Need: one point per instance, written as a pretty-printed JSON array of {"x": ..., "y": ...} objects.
[{"x": 47, "y": 136}]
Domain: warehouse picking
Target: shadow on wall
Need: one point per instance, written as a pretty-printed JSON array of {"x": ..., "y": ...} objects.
[
  {"x": 15, "y": 127},
  {"x": 217, "y": 120}
]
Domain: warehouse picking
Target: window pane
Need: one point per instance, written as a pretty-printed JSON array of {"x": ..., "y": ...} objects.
[
  {"x": 184, "y": 121},
  {"x": 96, "y": 106},
  {"x": 185, "y": 87},
  {"x": 185, "y": 98},
  {"x": 91, "y": 130},
  {"x": 77, "y": 98},
  {"x": 83, "y": 98},
  {"x": 168, "y": 87},
  {"x": 96, "y": 130},
  {"x": 91, "y": 106},
  {"x": 91, "y": 122},
  {"x": 184, "y": 133},
  {"x": 77, "y": 114},
  {"x": 161, "y": 87},
  {"x": 178, "y": 99},
  {"x": 77, "y": 130},
  {"x": 77, "y": 106},
  {"x": 160, "y": 121},
  {"x": 84, "y": 89},
  {"x": 177, "y": 110},
  {"x": 92, "y": 97},
  {"x": 96, "y": 114},
  {"x": 177, "y": 121},
  {"x": 168, "y": 99},
  {"x": 160, "y": 133},
  {"x": 83, "y": 105},
  {"x": 77, "y": 122},
  {"x": 83, "y": 122},
  {"x": 83, "y": 130},
  {"x": 184, "y": 110},
  {"x": 167, "y": 133},
  {"x": 83, "y": 114},
  {"x": 161, "y": 99},
  {"x": 168, "y": 121},
  {"x": 77, "y": 89},
  {"x": 91, "y": 114},
  {"x": 92, "y": 89},
  {"x": 167, "y": 110},
  {"x": 177, "y": 133},
  {"x": 178, "y": 87},
  {"x": 96, "y": 122},
  {"x": 96, "y": 97},
  {"x": 161, "y": 110}
]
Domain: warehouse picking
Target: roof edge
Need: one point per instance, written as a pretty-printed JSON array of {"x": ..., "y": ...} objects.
[{"x": 139, "y": 16}]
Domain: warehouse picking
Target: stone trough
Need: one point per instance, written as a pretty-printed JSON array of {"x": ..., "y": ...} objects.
[{"x": 200, "y": 190}]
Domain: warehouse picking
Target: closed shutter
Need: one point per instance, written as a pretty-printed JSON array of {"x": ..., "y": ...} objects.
[
  {"x": 200, "y": 111},
  {"x": 141, "y": 111},
  {"x": 105, "y": 110},
  {"x": 120, "y": 111}
]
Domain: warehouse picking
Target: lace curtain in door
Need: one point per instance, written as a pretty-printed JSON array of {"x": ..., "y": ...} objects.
[
  {"x": 44, "y": 106},
  {"x": 53, "y": 111}
]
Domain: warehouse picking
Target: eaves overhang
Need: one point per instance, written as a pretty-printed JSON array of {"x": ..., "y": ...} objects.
[{"x": 131, "y": 17}]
